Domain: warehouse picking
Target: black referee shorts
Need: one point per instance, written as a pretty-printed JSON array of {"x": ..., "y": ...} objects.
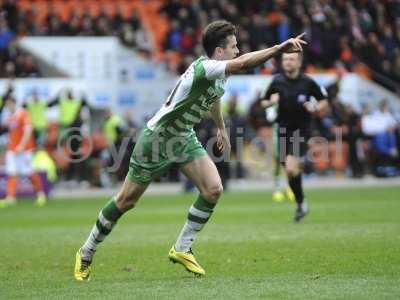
[{"x": 292, "y": 142}]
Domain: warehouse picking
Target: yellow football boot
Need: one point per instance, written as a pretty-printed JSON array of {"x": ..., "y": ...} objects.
[
  {"x": 290, "y": 195},
  {"x": 6, "y": 202},
  {"x": 82, "y": 268},
  {"x": 41, "y": 200},
  {"x": 278, "y": 196},
  {"x": 186, "y": 259}
]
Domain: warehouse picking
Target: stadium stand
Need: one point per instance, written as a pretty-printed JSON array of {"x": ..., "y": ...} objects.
[{"x": 358, "y": 36}]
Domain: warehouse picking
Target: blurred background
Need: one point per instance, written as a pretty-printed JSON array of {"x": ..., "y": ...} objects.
[{"x": 118, "y": 60}]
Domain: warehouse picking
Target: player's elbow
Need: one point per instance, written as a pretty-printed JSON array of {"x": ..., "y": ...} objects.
[{"x": 236, "y": 66}]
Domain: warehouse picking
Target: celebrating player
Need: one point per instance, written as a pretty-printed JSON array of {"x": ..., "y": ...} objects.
[
  {"x": 292, "y": 91},
  {"x": 19, "y": 154},
  {"x": 169, "y": 138}
]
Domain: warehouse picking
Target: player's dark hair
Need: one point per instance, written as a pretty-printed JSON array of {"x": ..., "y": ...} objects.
[
  {"x": 300, "y": 54},
  {"x": 215, "y": 35}
]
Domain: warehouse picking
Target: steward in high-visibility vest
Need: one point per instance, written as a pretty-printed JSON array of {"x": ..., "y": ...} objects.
[
  {"x": 70, "y": 121},
  {"x": 113, "y": 128},
  {"x": 69, "y": 110},
  {"x": 37, "y": 111}
]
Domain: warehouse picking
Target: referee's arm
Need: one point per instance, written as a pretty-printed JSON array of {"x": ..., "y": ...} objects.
[
  {"x": 271, "y": 96},
  {"x": 320, "y": 95}
]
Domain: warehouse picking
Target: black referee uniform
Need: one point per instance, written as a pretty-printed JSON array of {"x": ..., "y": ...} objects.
[{"x": 293, "y": 118}]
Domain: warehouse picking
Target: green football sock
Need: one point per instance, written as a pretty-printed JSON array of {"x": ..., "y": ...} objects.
[
  {"x": 105, "y": 222},
  {"x": 199, "y": 214}
]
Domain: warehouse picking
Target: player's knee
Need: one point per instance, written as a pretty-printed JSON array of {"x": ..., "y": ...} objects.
[
  {"x": 125, "y": 202},
  {"x": 292, "y": 167},
  {"x": 292, "y": 171},
  {"x": 213, "y": 192}
]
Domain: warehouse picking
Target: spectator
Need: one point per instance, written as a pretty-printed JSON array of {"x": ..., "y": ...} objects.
[
  {"x": 6, "y": 36},
  {"x": 381, "y": 127},
  {"x": 188, "y": 40},
  {"x": 28, "y": 68},
  {"x": 379, "y": 121},
  {"x": 283, "y": 29},
  {"x": 127, "y": 35},
  {"x": 36, "y": 108},
  {"x": 174, "y": 37},
  {"x": 143, "y": 42},
  {"x": 71, "y": 123},
  {"x": 113, "y": 129},
  {"x": 10, "y": 10}
]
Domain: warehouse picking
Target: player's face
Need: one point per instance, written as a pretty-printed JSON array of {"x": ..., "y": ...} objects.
[
  {"x": 291, "y": 62},
  {"x": 231, "y": 50}
]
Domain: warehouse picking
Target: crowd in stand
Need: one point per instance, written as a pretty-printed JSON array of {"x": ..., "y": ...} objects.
[
  {"x": 13, "y": 61},
  {"x": 340, "y": 33},
  {"x": 15, "y": 22}
]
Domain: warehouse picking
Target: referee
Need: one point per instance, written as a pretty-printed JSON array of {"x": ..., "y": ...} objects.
[{"x": 291, "y": 92}]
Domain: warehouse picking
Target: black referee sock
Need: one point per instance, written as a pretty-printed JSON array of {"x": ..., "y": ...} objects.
[{"x": 297, "y": 188}]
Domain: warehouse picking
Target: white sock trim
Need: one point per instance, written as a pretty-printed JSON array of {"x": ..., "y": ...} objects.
[
  {"x": 107, "y": 224},
  {"x": 199, "y": 213}
]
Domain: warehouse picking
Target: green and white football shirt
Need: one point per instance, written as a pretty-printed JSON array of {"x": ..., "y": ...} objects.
[{"x": 197, "y": 89}]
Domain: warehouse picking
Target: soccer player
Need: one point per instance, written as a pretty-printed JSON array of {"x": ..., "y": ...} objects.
[
  {"x": 168, "y": 138},
  {"x": 19, "y": 154},
  {"x": 292, "y": 91}
]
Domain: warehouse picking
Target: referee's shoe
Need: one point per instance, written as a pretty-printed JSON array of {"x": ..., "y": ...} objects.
[{"x": 301, "y": 211}]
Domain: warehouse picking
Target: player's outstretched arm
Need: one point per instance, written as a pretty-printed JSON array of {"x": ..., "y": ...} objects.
[{"x": 254, "y": 59}]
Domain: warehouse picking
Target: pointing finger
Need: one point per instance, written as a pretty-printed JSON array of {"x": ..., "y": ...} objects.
[{"x": 300, "y": 36}]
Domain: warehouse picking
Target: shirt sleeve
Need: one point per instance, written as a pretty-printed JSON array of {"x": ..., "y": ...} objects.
[
  {"x": 84, "y": 102},
  {"x": 53, "y": 102},
  {"x": 214, "y": 69},
  {"x": 272, "y": 89},
  {"x": 317, "y": 91}
]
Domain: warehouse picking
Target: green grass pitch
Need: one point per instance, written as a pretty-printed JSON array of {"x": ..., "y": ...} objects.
[{"x": 347, "y": 248}]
